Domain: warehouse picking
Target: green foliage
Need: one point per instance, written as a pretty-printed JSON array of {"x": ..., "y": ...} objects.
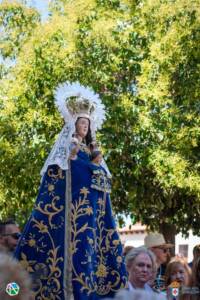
[
  {"x": 169, "y": 85},
  {"x": 143, "y": 58},
  {"x": 17, "y": 23}
]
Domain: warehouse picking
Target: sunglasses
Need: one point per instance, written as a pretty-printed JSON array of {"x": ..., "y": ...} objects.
[
  {"x": 165, "y": 250},
  {"x": 15, "y": 235}
]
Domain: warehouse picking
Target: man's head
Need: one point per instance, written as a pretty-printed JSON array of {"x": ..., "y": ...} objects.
[
  {"x": 157, "y": 244},
  {"x": 9, "y": 235}
]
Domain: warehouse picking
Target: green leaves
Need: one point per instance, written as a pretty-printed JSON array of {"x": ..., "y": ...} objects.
[{"x": 17, "y": 23}]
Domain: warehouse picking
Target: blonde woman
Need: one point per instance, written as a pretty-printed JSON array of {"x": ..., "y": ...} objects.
[{"x": 178, "y": 271}]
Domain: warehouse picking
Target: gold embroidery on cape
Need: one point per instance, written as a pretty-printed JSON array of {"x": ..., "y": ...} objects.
[
  {"x": 49, "y": 270},
  {"x": 59, "y": 175},
  {"x": 50, "y": 210},
  {"x": 100, "y": 181},
  {"x": 95, "y": 281}
]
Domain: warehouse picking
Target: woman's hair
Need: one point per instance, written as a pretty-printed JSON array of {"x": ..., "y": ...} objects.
[
  {"x": 172, "y": 265},
  {"x": 133, "y": 253},
  {"x": 196, "y": 251},
  {"x": 88, "y": 138},
  {"x": 11, "y": 271},
  {"x": 127, "y": 249},
  {"x": 196, "y": 273}
]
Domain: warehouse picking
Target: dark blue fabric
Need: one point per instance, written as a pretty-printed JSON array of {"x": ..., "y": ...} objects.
[
  {"x": 97, "y": 267},
  {"x": 40, "y": 249}
]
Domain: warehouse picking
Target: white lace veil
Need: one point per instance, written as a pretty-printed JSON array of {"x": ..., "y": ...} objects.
[{"x": 60, "y": 152}]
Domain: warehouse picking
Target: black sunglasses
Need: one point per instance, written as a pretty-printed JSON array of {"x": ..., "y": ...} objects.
[
  {"x": 15, "y": 235},
  {"x": 165, "y": 250}
]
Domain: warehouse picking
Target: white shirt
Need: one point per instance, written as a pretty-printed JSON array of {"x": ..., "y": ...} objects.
[{"x": 146, "y": 287}]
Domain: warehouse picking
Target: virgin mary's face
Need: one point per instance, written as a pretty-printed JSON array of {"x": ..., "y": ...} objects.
[{"x": 82, "y": 127}]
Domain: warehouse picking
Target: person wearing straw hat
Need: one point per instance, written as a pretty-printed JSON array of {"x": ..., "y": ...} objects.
[{"x": 156, "y": 243}]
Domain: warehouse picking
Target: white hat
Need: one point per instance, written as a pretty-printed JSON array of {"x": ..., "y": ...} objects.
[{"x": 155, "y": 239}]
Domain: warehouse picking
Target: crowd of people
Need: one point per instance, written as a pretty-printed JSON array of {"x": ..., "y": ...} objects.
[
  {"x": 153, "y": 273},
  {"x": 153, "y": 268}
]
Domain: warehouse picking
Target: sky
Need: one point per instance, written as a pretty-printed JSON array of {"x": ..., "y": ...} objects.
[{"x": 41, "y": 6}]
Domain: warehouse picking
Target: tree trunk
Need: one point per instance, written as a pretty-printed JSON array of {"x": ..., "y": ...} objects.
[{"x": 169, "y": 232}]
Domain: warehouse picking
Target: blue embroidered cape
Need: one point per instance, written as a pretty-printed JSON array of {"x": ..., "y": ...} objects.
[{"x": 70, "y": 245}]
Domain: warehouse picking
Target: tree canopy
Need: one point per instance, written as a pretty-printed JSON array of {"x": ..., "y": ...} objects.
[{"x": 143, "y": 58}]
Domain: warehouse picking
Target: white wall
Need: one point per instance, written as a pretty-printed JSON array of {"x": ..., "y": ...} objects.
[
  {"x": 133, "y": 239},
  {"x": 191, "y": 241}
]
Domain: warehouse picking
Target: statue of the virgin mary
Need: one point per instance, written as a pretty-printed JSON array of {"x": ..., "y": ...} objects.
[{"x": 70, "y": 245}]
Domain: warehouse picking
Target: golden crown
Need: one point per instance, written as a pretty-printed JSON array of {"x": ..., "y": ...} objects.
[{"x": 79, "y": 105}]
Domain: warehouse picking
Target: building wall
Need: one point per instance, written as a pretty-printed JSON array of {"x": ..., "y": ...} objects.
[
  {"x": 133, "y": 239},
  {"x": 191, "y": 241}
]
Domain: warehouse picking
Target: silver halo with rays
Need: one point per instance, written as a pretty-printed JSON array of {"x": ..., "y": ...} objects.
[{"x": 65, "y": 91}]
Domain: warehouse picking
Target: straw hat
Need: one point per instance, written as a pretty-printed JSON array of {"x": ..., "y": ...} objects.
[{"x": 155, "y": 239}]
